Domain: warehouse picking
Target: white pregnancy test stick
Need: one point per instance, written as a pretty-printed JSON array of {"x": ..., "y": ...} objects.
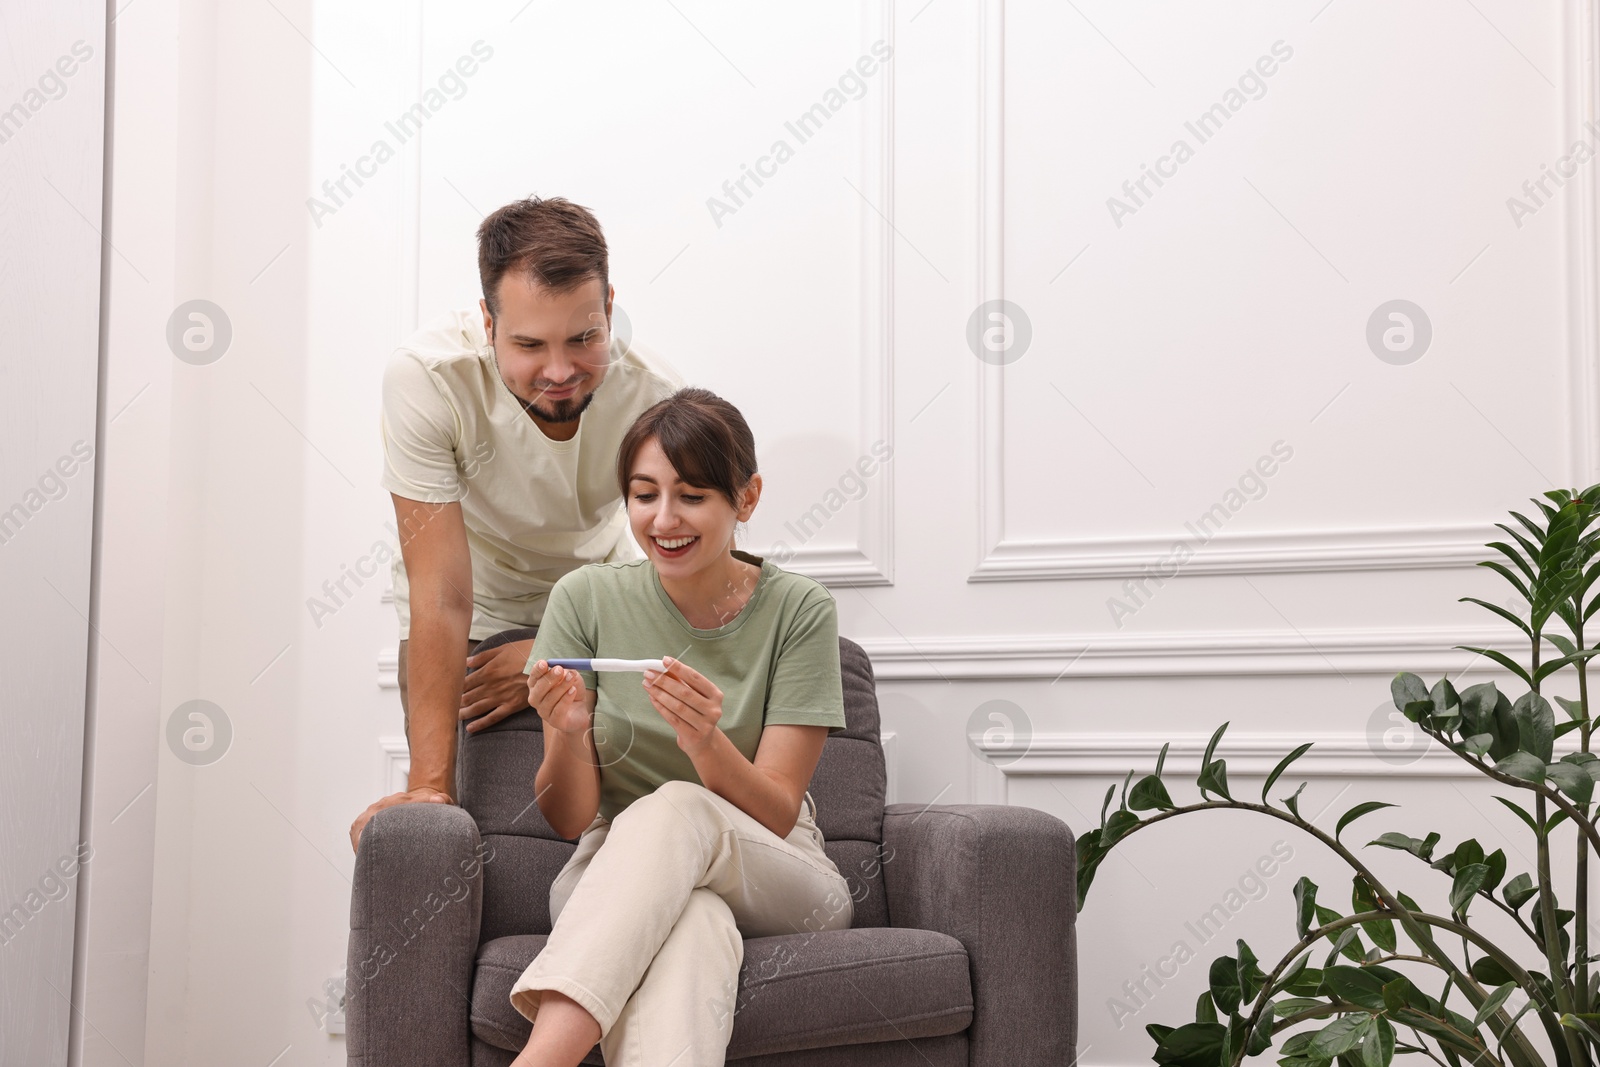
[{"x": 609, "y": 664}]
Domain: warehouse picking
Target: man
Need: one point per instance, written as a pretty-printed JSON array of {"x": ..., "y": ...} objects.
[{"x": 501, "y": 482}]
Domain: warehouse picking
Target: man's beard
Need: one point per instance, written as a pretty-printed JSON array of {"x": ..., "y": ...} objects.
[{"x": 560, "y": 410}]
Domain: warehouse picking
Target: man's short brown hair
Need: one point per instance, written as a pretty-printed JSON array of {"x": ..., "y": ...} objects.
[{"x": 556, "y": 241}]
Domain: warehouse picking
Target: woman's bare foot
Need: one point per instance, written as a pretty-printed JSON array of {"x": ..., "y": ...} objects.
[{"x": 563, "y": 1033}]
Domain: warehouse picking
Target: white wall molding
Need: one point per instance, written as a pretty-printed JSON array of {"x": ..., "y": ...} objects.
[
  {"x": 1141, "y": 655},
  {"x": 1368, "y": 650},
  {"x": 396, "y": 770},
  {"x": 1387, "y": 547},
  {"x": 871, "y": 560},
  {"x": 1248, "y": 755},
  {"x": 1300, "y": 551}
]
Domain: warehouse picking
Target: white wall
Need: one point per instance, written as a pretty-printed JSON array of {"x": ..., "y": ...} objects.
[
  {"x": 1228, "y": 312},
  {"x": 52, "y": 139}
]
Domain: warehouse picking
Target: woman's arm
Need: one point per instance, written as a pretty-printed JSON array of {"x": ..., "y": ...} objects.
[
  {"x": 771, "y": 789},
  {"x": 567, "y": 787}
]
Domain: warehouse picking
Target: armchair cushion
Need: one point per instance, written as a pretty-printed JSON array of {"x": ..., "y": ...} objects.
[{"x": 796, "y": 991}]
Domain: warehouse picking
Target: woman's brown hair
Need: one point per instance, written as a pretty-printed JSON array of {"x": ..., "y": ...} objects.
[{"x": 704, "y": 437}]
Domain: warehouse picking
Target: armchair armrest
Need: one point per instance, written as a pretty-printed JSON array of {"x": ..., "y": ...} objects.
[
  {"x": 1002, "y": 880},
  {"x": 414, "y": 914}
]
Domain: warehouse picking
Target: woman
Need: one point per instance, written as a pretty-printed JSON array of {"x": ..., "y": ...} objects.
[{"x": 686, "y": 789}]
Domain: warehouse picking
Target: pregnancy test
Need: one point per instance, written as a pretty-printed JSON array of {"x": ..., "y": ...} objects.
[{"x": 609, "y": 664}]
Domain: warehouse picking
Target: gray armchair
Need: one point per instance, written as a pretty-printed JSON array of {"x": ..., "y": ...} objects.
[{"x": 962, "y": 952}]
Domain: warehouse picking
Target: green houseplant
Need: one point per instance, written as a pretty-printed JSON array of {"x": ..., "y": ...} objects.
[{"x": 1331, "y": 997}]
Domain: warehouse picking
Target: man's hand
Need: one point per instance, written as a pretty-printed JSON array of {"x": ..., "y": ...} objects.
[
  {"x": 420, "y": 795},
  {"x": 496, "y": 686}
]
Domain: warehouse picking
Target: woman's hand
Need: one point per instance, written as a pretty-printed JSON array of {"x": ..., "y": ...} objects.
[
  {"x": 687, "y": 700},
  {"x": 557, "y": 693}
]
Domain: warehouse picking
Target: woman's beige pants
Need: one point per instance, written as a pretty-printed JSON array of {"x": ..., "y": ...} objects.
[{"x": 648, "y": 919}]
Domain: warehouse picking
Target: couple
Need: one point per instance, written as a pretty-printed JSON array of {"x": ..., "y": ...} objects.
[{"x": 686, "y": 788}]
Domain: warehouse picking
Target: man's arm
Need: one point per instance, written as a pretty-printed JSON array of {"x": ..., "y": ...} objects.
[{"x": 433, "y": 544}]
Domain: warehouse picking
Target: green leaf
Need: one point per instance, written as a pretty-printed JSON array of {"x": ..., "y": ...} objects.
[
  {"x": 1118, "y": 826},
  {"x": 1356, "y": 812},
  {"x": 1308, "y": 984},
  {"x": 1518, "y": 891},
  {"x": 1504, "y": 660},
  {"x": 1567, "y": 647},
  {"x": 1395, "y": 994},
  {"x": 1341, "y": 1035},
  {"x": 1505, "y": 729},
  {"x": 1149, "y": 793},
  {"x": 1251, "y": 977},
  {"x": 1291, "y": 974},
  {"x": 1261, "y": 1036},
  {"x": 1523, "y": 765},
  {"x": 1547, "y": 669},
  {"x": 1492, "y": 1003},
  {"x": 1423, "y": 849},
  {"x": 1214, "y": 777},
  {"x": 1211, "y": 746},
  {"x": 1293, "y": 802},
  {"x": 1500, "y": 611},
  {"x": 1571, "y": 780},
  {"x": 1500, "y": 568},
  {"x": 1477, "y": 708},
  {"x": 1294, "y": 1006},
  {"x": 1111, "y": 791},
  {"x": 1512, "y": 554},
  {"x": 1161, "y": 760},
  {"x": 1305, "y": 899},
  {"x": 1204, "y": 1010},
  {"x": 1488, "y": 971},
  {"x": 1478, "y": 744},
  {"x": 1496, "y": 862},
  {"x": 1377, "y": 1048},
  {"x": 1349, "y": 946},
  {"x": 1536, "y": 725},
  {"x": 1193, "y": 1045},
  {"x": 1225, "y": 983},
  {"x": 1573, "y": 708},
  {"x": 1283, "y": 765},
  {"x": 1124, "y": 805},
  {"x": 1090, "y": 853},
  {"x": 1362, "y": 898},
  {"x": 1406, "y": 688},
  {"x": 1358, "y": 985}
]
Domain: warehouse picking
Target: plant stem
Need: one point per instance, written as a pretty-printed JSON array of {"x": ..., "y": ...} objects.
[
  {"x": 1552, "y": 937},
  {"x": 1580, "y": 905}
]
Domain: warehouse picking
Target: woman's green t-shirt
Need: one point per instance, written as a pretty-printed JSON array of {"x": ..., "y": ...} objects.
[{"x": 777, "y": 661}]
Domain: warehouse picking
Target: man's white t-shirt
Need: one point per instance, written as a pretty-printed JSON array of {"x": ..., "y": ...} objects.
[{"x": 534, "y": 508}]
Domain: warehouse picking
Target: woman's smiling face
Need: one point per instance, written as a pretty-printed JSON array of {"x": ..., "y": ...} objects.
[{"x": 696, "y": 524}]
